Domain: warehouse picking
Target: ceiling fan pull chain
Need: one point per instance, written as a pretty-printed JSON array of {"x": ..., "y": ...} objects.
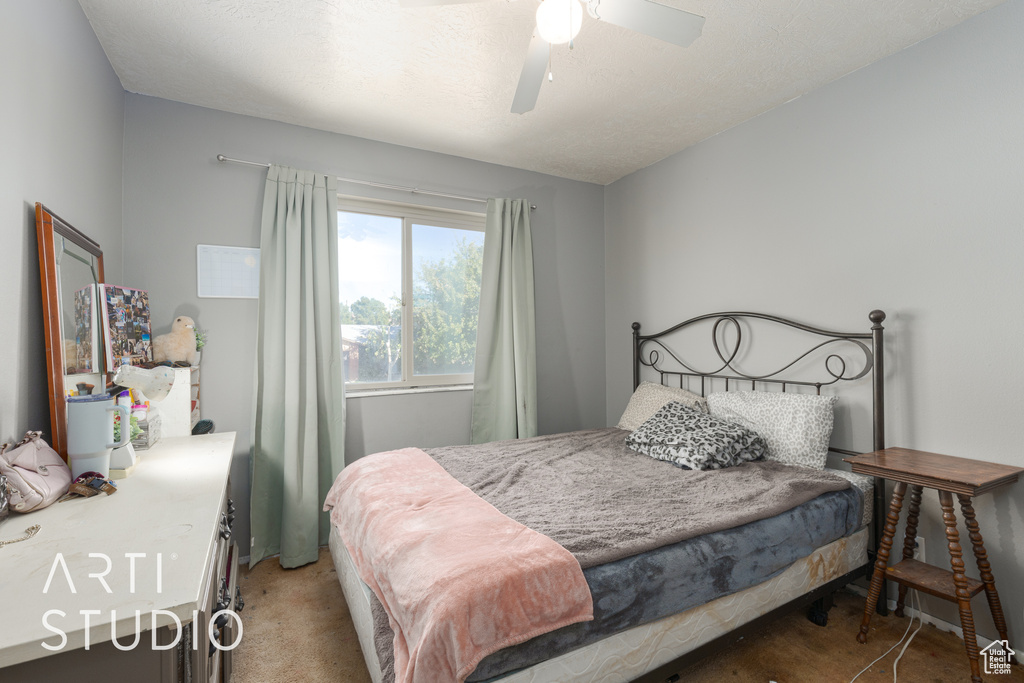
[{"x": 551, "y": 76}]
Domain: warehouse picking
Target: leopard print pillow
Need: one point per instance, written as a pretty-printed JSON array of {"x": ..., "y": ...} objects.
[
  {"x": 649, "y": 397},
  {"x": 695, "y": 440},
  {"x": 796, "y": 427}
]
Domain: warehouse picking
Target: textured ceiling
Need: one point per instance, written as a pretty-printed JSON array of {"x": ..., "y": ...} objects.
[{"x": 442, "y": 78}]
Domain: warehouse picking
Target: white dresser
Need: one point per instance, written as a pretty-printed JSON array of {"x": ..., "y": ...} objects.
[{"x": 161, "y": 546}]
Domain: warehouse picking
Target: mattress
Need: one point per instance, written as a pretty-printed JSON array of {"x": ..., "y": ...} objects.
[
  {"x": 866, "y": 485},
  {"x": 627, "y": 655},
  {"x": 645, "y": 582},
  {"x": 358, "y": 596}
]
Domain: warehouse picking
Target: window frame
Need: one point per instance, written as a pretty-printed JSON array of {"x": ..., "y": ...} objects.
[{"x": 411, "y": 214}]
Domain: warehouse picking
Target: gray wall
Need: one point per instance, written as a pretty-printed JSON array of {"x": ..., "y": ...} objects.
[
  {"x": 900, "y": 187},
  {"x": 177, "y": 195},
  {"x": 61, "y": 130}
]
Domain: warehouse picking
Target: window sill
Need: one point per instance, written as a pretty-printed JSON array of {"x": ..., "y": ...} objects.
[{"x": 367, "y": 393}]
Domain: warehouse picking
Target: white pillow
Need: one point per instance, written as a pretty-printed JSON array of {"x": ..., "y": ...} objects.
[
  {"x": 796, "y": 427},
  {"x": 650, "y": 397}
]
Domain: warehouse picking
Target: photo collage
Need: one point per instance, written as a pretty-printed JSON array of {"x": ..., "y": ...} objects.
[{"x": 126, "y": 326}]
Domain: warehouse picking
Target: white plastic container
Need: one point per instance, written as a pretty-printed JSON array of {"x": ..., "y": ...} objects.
[{"x": 91, "y": 433}]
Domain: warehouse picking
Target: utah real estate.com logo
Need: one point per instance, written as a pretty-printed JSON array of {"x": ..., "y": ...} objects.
[
  {"x": 52, "y": 624},
  {"x": 997, "y": 657}
]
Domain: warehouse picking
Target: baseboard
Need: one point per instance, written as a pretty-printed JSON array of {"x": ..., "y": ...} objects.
[{"x": 940, "y": 624}]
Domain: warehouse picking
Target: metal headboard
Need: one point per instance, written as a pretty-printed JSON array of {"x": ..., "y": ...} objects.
[{"x": 649, "y": 351}]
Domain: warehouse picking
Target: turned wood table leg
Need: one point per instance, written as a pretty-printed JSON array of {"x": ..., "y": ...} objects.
[
  {"x": 882, "y": 560},
  {"x": 984, "y": 568},
  {"x": 909, "y": 540},
  {"x": 963, "y": 597}
]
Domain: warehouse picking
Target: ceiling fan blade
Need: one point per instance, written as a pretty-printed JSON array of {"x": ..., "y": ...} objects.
[
  {"x": 675, "y": 26},
  {"x": 431, "y": 3},
  {"x": 532, "y": 76}
]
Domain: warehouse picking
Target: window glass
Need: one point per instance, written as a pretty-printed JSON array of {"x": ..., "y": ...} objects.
[
  {"x": 446, "y": 264},
  {"x": 370, "y": 291},
  {"x": 409, "y": 287}
]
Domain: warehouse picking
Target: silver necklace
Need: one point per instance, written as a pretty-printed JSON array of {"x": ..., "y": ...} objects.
[{"x": 29, "y": 533}]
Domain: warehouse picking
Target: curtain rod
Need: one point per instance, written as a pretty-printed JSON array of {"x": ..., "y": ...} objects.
[{"x": 414, "y": 190}]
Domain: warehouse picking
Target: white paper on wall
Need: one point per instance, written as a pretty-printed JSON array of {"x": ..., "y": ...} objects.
[{"x": 227, "y": 272}]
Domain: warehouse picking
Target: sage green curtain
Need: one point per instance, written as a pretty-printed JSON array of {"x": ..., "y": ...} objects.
[
  {"x": 298, "y": 428},
  {"x": 505, "y": 371}
]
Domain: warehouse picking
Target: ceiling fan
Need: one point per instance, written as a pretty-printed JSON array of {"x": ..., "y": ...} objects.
[{"x": 558, "y": 22}]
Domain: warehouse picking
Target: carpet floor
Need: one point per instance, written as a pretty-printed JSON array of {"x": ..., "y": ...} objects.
[{"x": 297, "y": 628}]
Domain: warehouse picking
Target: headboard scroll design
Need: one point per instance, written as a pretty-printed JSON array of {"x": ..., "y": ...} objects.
[
  {"x": 834, "y": 364},
  {"x": 650, "y": 351}
]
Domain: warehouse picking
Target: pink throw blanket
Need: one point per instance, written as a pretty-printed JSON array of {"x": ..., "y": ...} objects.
[{"x": 458, "y": 579}]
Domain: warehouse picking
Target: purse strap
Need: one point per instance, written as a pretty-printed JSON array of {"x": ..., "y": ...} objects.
[
  {"x": 29, "y": 436},
  {"x": 8, "y": 456}
]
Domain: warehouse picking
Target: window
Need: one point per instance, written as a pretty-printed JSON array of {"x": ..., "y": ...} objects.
[{"x": 410, "y": 293}]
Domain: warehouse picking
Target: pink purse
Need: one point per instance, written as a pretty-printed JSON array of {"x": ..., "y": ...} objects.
[{"x": 36, "y": 475}]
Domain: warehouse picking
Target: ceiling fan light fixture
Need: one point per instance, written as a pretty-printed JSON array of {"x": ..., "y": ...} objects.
[{"x": 558, "y": 21}]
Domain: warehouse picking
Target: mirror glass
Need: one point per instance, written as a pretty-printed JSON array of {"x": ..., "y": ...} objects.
[
  {"x": 77, "y": 274},
  {"x": 70, "y": 266}
]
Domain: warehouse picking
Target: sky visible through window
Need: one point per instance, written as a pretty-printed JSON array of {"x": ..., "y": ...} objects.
[
  {"x": 369, "y": 257},
  {"x": 370, "y": 254}
]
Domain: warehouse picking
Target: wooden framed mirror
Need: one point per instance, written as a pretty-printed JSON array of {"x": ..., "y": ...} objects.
[{"x": 70, "y": 265}]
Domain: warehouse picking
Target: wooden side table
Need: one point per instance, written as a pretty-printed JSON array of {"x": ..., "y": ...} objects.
[{"x": 948, "y": 475}]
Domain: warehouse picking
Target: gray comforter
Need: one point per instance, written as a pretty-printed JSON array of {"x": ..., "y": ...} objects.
[{"x": 603, "y": 502}]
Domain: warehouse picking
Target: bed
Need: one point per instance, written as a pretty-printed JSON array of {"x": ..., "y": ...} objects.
[{"x": 664, "y": 595}]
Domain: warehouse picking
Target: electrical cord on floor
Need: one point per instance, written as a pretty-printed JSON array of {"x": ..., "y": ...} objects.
[{"x": 920, "y": 622}]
